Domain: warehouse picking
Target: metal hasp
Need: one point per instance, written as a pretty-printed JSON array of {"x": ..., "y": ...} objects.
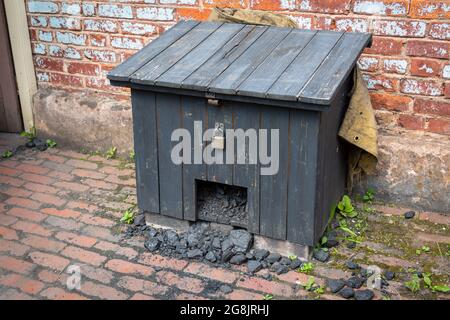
[{"x": 296, "y": 81}]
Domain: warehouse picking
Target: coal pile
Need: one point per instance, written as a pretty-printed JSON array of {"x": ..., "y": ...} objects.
[
  {"x": 215, "y": 246},
  {"x": 222, "y": 204}
]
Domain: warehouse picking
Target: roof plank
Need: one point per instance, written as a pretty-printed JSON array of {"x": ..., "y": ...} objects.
[
  {"x": 335, "y": 68},
  {"x": 267, "y": 73},
  {"x": 204, "y": 75},
  {"x": 197, "y": 57},
  {"x": 303, "y": 67},
  {"x": 130, "y": 66},
  {"x": 229, "y": 80},
  {"x": 171, "y": 55}
]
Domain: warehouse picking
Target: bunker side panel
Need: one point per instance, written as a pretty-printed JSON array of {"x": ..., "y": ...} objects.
[
  {"x": 332, "y": 161},
  {"x": 273, "y": 188},
  {"x": 146, "y": 149},
  {"x": 302, "y": 172},
  {"x": 194, "y": 109},
  {"x": 169, "y": 115},
  {"x": 247, "y": 116}
]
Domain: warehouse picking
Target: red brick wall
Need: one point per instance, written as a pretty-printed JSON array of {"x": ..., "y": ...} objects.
[{"x": 407, "y": 69}]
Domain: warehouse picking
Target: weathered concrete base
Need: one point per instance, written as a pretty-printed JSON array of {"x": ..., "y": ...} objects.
[
  {"x": 157, "y": 220},
  {"x": 413, "y": 170},
  {"x": 414, "y": 167},
  {"x": 84, "y": 121},
  {"x": 284, "y": 248}
]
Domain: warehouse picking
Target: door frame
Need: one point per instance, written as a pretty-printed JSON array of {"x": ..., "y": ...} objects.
[{"x": 20, "y": 42}]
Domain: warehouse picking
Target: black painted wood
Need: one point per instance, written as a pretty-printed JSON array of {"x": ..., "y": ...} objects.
[
  {"x": 148, "y": 73},
  {"x": 273, "y": 188},
  {"x": 169, "y": 115},
  {"x": 219, "y": 62},
  {"x": 268, "y": 72},
  {"x": 302, "y": 171},
  {"x": 146, "y": 149},
  {"x": 126, "y": 69},
  {"x": 194, "y": 110},
  {"x": 247, "y": 116}
]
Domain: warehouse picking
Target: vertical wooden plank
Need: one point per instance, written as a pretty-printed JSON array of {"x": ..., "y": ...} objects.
[
  {"x": 194, "y": 109},
  {"x": 246, "y": 116},
  {"x": 146, "y": 149},
  {"x": 222, "y": 173},
  {"x": 273, "y": 190},
  {"x": 303, "y": 144},
  {"x": 170, "y": 174}
]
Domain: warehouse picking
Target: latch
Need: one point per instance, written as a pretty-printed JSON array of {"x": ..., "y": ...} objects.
[{"x": 218, "y": 138}]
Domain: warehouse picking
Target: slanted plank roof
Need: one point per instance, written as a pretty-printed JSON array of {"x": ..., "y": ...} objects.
[{"x": 247, "y": 60}]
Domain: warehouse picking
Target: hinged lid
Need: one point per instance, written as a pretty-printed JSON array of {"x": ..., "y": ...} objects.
[{"x": 246, "y": 60}]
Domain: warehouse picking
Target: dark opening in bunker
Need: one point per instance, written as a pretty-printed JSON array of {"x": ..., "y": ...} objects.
[{"x": 222, "y": 203}]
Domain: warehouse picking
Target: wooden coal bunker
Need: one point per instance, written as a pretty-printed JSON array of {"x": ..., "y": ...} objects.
[{"x": 245, "y": 76}]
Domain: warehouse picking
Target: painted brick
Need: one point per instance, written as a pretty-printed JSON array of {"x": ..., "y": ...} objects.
[
  {"x": 377, "y": 82},
  {"x": 71, "y": 8},
  {"x": 381, "y": 7},
  {"x": 71, "y": 38},
  {"x": 431, "y": 49},
  {"x": 446, "y": 72},
  {"x": 425, "y": 67},
  {"x": 126, "y": 43},
  {"x": 66, "y": 80},
  {"x": 432, "y": 107},
  {"x": 38, "y": 21},
  {"x": 395, "y": 65},
  {"x": 88, "y": 9},
  {"x": 440, "y": 30},
  {"x": 352, "y": 25},
  {"x": 42, "y": 7},
  {"x": 399, "y": 28},
  {"x": 325, "y": 6},
  {"x": 68, "y": 52},
  {"x": 431, "y": 9},
  {"x": 368, "y": 63},
  {"x": 100, "y": 25},
  {"x": 138, "y": 28},
  {"x": 46, "y": 36},
  {"x": 302, "y": 21},
  {"x": 100, "y": 55},
  {"x": 98, "y": 40},
  {"x": 115, "y": 11},
  {"x": 39, "y": 48},
  {"x": 65, "y": 23},
  {"x": 422, "y": 87},
  {"x": 155, "y": 13}
]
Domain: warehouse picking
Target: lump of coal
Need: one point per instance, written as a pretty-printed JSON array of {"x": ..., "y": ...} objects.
[
  {"x": 364, "y": 295},
  {"x": 254, "y": 266},
  {"x": 238, "y": 259},
  {"x": 261, "y": 254},
  {"x": 273, "y": 257},
  {"x": 241, "y": 239},
  {"x": 152, "y": 244}
]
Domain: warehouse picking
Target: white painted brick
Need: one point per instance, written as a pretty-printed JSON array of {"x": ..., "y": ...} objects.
[
  {"x": 71, "y": 38},
  {"x": 42, "y": 7},
  {"x": 353, "y": 25},
  {"x": 97, "y": 55},
  {"x": 302, "y": 22},
  {"x": 367, "y": 63},
  {"x": 39, "y": 48},
  {"x": 115, "y": 11},
  {"x": 399, "y": 28},
  {"x": 65, "y": 23},
  {"x": 446, "y": 72},
  {"x": 42, "y": 76},
  {"x": 88, "y": 9},
  {"x": 379, "y": 7},
  {"x": 138, "y": 28},
  {"x": 287, "y": 4},
  {"x": 163, "y": 14},
  {"x": 396, "y": 65},
  {"x": 71, "y": 8},
  {"x": 100, "y": 25},
  {"x": 39, "y": 21},
  {"x": 45, "y": 36},
  {"x": 127, "y": 43}
]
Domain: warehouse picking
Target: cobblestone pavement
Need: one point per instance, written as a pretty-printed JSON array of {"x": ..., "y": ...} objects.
[{"x": 61, "y": 208}]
